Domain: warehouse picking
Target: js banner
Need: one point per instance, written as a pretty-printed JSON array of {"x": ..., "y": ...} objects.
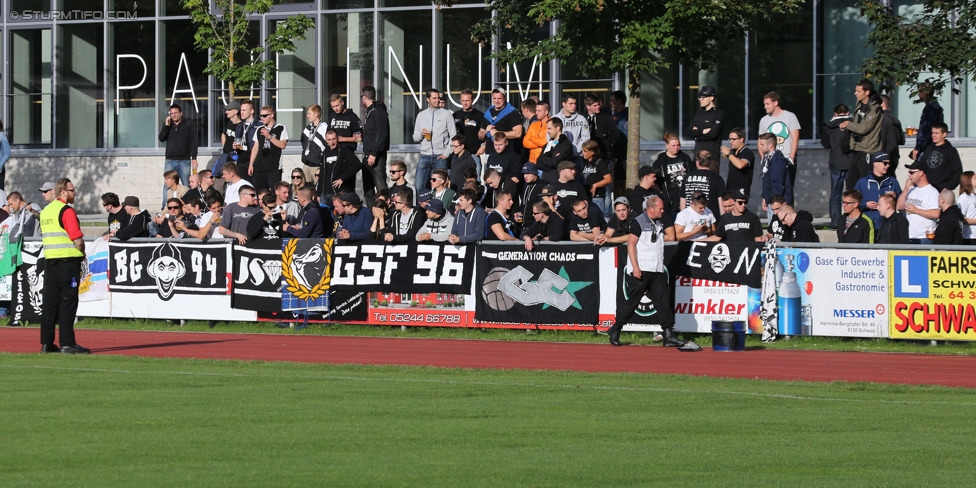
[
  {"x": 404, "y": 268},
  {"x": 168, "y": 267},
  {"x": 552, "y": 284},
  {"x": 257, "y": 276}
]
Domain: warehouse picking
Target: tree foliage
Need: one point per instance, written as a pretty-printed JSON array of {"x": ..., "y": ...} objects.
[
  {"x": 223, "y": 31},
  {"x": 934, "y": 44},
  {"x": 637, "y": 36},
  {"x": 642, "y": 36}
]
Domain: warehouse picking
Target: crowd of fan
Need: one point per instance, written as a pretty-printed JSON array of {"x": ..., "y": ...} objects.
[{"x": 529, "y": 175}]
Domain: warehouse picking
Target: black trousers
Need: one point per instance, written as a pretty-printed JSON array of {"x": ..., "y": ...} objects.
[
  {"x": 374, "y": 177},
  {"x": 654, "y": 286},
  {"x": 61, "y": 279},
  {"x": 860, "y": 167},
  {"x": 265, "y": 179}
]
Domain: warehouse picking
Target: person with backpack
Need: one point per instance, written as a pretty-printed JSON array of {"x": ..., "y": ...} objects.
[
  {"x": 313, "y": 141},
  {"x": 837, "y": 140}
]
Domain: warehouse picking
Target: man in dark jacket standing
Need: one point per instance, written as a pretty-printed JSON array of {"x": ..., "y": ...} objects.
[
  {"x": 376, "y": 142},
  {"x": 180, "y": 137},
  {"x": 836, "y": 140},
  {"x": 776, "y": 174},
  {"x": 706, "y": 126},
  {"x": 943, "y": 167},
  {"x": 865, "y": 129},
  {"x": 892, "y": 134}
]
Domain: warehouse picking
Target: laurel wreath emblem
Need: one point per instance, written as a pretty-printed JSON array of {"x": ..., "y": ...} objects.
[{"x": 296, "y": 288}]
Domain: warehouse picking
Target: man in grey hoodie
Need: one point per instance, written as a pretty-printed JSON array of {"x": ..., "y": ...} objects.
[
  {"x": 575, "y": 126},
  {"x": 433, "y": 130}
]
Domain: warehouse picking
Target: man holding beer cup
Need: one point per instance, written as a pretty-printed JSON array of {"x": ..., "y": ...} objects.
[{"x": 920, "y": 201}]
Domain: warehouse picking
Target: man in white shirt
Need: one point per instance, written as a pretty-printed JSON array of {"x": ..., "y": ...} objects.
[{"x": 920, "y": 201}]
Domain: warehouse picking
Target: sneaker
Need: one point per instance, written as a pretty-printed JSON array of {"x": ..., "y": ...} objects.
[{"x": 75, "y": 349}]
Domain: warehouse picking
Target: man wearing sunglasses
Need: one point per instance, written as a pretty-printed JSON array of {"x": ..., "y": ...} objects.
[
  {"x": 878, "y": 183},
  {"x": 645, "y": 274},
  {"x": 266, "y": 147},
  {"x": 234, "y": 218},
  {"x": 739, "y": 224}
]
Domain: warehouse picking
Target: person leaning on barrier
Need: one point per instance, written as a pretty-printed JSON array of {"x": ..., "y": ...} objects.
[
  {"x": 266, "y": 224},
  {"x": 64, "y": 250},
  {"x": 138, "y": 225},
  {"x": 878, "y": 183},
  {"x": 438, "y": 225},
  {"x": 618, "y": 229},
  {"x": 856, "y": 228},
  {"x": 497, "y": 225},
  {"x": 949, "y": 229},
  {"x": 355, "y": 220},
  {"x": 233, "y": 222},
  {"x": 894, "y": 225},
  {"x": 407, "y": 220},
  {"x": 738, "y": 225},
  {"x": 645, "y": 274},
  {"x": 548, "y": 226},
  {"x": 587, "y": 223},
  {"x": 309, "y": 219},
  {"x": 796, "y": 226},
  {"x": 205, "y": 221},
  {"x": 469, "y": 220}
]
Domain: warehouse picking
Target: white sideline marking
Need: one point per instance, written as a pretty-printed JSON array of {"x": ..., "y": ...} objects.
[{"x": 490, "y": 383}]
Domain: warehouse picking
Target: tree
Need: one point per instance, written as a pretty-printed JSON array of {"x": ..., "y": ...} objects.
[
  {"x": 937, "y": 41},
  {"x": 638, "y": 37},
  {"x": 223, "y": 31}
]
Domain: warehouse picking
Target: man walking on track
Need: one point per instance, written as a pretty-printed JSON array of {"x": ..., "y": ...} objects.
[{"x": 64, "y": 248}]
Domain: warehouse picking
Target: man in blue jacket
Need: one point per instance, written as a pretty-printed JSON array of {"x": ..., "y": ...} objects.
[
  {"x": 878, "y": 183},
  {"x": 355, "y": 222},
  {"x": 469, "y": 221},
  {"x": 776, "y": 174}
]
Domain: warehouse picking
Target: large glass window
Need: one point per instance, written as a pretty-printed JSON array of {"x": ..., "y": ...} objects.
[
  {"x": 294, "y": 84},
  {"x": 347, "y": 57},
  {"x": 464, "y": 62},
  {"x": 142, "y": 10},
  {"x": 132, "y": 85},
  {"x": 406, "y": 69},
  {"x": 30, "y": 87},
  {"x": 184, "y": 82},
  {"x": 781, "y": 60},
  {"x": 843, "y": 36},
  {"x": 80, "y": 102}
]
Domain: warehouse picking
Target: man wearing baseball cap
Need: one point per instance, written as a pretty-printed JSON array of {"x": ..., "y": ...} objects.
[
  {"x": 47, "y": 191},
  {"x": 878, "y": 182},
  {"x": 920, "y": 201},
  {"x": 706, "y": 126}
]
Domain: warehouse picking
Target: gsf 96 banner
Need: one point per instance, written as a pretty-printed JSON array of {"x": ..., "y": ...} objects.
[
  {"x": 403, "y": 268},
  {"x": 552, "y": 284},
  {"x": 932, "y": 295}
]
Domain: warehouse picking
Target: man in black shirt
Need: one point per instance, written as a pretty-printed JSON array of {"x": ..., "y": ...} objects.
[
  {"x": 797, "y": 226},
  {"x": 504, "y": 159},
  {"x": 943, "y": 166},
  {"x": 739, "y": 225},
  {"x": 741, "y": 161},
  {"x": 568, "y": 189},
  {"x": 548, "y": 226},
  {"x": 706, "y": 126},
  {"x": 180, "y": 137},
  {"x": 228, "y": 138},
  {"x": 470, "y": 122},
  {"x": 339, "y": 168},
  {"x": 587, "y": 223},
  {"x": 117, "y": 217},
  {"x": 460, "y": 160},
  {"x": 531, "y": 193},
  {"x": 894, "y": 224},
  {"x": 704, "y": 180},
  {"x": 503, "y": 118},
  {"x": 269, "y": 141},
  {"x": 345, "y": 122},
  {"x": 647, "y": 177},
  {"x": 557, "y": 150}
]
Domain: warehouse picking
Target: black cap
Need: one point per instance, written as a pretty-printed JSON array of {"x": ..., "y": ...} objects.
[
  {"x": 740, "y": 194},
  {"x": 707, "y": 91},
  {"x": 880, "y": 157},
  {"x": 917, "y": 165},
  {"x": 645, "y": 170}
]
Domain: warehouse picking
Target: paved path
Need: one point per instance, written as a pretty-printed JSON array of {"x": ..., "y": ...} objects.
[{"x": 923, "y": 369}]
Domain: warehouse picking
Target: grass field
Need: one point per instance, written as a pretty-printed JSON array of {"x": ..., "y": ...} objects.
[{"x": 120, "y": 421}]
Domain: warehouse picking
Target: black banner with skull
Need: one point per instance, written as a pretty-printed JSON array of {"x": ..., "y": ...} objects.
[
  {"x": 552, "y": 284},
  {"x": 259, "y": 281},
  {"x": 168, "y": 267},
  {"x": 28, "y": 286},
  {"x": 731, "y": 262}
]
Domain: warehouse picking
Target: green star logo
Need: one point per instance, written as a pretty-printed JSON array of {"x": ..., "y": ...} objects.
[{"x": 572, "y": 287}]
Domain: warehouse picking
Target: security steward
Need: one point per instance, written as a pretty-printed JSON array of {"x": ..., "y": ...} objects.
[
  {"x": 64, "y": 248},
  {"x": 645, "y": 252}
]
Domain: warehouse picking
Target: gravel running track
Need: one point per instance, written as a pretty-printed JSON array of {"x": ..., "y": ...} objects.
[{"x": 919, "y": 369}]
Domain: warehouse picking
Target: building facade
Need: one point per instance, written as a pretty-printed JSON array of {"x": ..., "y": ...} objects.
[{"x": 86, "y": 85}]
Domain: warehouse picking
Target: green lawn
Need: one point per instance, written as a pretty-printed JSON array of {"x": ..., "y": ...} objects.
[{"x": 119, "y": 421}]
